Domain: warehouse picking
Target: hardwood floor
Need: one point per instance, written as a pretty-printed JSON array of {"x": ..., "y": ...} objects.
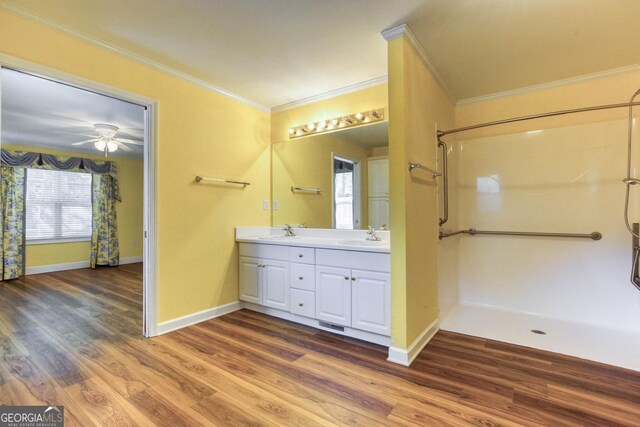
[{"x": 74, "y": 338}]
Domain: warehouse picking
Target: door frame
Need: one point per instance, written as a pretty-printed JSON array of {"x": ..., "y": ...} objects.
[
  {"x": 150, "y": 267},
  {"x": 357, "y": 190}
]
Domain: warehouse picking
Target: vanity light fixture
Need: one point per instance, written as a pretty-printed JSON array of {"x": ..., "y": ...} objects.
[{"x": 351, "y": 120}]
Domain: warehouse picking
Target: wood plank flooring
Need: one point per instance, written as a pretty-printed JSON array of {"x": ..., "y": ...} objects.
[{"x": 74, "y": 339}]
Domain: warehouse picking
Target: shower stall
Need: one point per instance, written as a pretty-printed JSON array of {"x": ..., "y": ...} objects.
[{"x": 536, "y": 251}]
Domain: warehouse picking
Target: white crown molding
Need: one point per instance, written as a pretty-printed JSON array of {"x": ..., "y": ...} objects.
[
  {"x": 550, "y": 85},
  {"x": 331, "y": 94},
  {"x": 403, "y": 30},
  {"x": 129, "y": 55}
]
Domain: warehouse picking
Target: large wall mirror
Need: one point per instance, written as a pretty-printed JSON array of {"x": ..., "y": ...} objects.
[{"x": 333, "y": 180}]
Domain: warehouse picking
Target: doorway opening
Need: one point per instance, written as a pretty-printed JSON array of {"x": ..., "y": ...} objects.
[
  {"x": 80, "y": 146},
  {"x": 346, "y": 193}
]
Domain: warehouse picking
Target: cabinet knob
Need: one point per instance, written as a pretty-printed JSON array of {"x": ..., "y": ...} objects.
[
  {"x": 300, "y": 255},
  {"x": 346, "y": 277},
  {"x": 353, "y": 279},
  {"x": 300, "y": 277},
  {"x": 300, "y": 304}
]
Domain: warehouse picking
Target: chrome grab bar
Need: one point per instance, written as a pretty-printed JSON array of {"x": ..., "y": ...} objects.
[
  {"x": 413, "y": 166},
  {"x": 472, "y": 231},
  {"x": 221, "y": 180},
  {"x": 312, "y": 190},
  {"x": 445, "y": 183}
]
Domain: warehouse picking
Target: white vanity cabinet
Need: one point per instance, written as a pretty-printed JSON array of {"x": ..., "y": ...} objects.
[
  {"x": 345, "y": 291},
  {"x": 264, "y": 276},
  {"x": 333, "y": 295},
  {"x": 354, "y": 289}
]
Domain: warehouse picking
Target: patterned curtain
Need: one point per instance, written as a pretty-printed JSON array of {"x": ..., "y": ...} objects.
[
  {"x": 104, "y": 235},
  {"x": 12, "y": 191},
  {"x": 105, "y": 192}
]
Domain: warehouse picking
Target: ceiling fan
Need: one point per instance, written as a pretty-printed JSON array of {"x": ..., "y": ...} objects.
[{"x": 106, "y": 139}]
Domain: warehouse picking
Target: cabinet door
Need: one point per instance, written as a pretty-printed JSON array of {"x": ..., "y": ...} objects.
[
  {"x": 250, "y": 280},
  {"x": 378, "y": 178},
  {"x": 276, "y": 284},
  {"x": 378, "y": 212},
  {"x": 333, "y": 295},
  {"x": 371, "y": 302}
]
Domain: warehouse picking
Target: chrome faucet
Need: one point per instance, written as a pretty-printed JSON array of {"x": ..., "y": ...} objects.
[
  {"x": 288, "y": 230},
  {"x": 372, "y": 235}
]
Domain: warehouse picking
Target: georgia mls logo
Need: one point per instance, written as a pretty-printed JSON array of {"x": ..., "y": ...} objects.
[{"x": 31, "y": 416}]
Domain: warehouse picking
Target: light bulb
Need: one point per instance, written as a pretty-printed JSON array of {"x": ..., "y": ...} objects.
[
  {"x": 112, "y": 146},
  {"x": 100, "y": 144},
  {"x": 359, "y": 116},
  {"x": 322, "y": 125},
  {"x": 298, "y": 132},
  {"x": 311, "y": 126},
  {"x": 291, "y": 131}
]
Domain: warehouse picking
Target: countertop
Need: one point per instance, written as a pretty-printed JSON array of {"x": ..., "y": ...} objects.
[{"x": 315, "y": 238}]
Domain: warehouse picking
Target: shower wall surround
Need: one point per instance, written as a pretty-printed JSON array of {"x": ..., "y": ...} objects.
[{"x": 565, "y": 179}]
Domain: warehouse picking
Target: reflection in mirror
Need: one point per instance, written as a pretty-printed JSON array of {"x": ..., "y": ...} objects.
[{"x": 349, "y": 167}]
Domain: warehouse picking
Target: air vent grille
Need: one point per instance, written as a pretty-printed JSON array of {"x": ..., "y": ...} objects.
[{"x": 330, "y": 326}]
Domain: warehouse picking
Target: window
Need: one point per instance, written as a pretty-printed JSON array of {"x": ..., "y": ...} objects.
[{"x": 57, "y": 205}]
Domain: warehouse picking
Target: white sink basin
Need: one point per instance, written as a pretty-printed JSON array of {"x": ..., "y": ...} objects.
[
  {"x": 278, "y": 237},
  {"x": 362, "y": 242}
]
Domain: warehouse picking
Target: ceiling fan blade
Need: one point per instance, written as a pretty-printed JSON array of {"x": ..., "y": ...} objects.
[
  {"x": 129, "y": 141},
  {"x": 124, "y": 147},
  {"x": 84, "y": 142}
]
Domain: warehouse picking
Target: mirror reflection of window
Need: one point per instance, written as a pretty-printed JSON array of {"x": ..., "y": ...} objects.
[{"x": 345, "y": 191}]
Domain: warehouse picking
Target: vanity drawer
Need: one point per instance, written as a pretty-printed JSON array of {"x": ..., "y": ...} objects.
[
  {"x": 371, "y": 261},
  {"x": 302, "y": 276},
  {"x": 257, "y": 250},
  {"x": 303, "y": 303},
  {"x": 303, "y": 255}
]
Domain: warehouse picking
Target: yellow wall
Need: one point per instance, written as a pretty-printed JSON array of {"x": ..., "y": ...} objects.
[
  {"x": 416, "y": 104},
  {"x": 129, "y": 213},
  {"x": 199, "y": 133},
  {"x": 308, "y": 162}
]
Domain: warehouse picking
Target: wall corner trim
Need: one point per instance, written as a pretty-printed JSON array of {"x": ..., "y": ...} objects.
[
  {"x": 403, "y": 30},
  {"x": 201, "y": 316},
  {"x": 406, "y": 357}
]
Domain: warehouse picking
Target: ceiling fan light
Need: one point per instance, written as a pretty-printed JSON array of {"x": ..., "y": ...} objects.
[
  {"x": 100, "y": 144},
  {"x": 112, "y": 146}
]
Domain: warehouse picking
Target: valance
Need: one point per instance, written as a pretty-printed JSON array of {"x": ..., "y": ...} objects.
[
  {"x": 71, "y": 164},
  {"x": 61, "y": 163}
]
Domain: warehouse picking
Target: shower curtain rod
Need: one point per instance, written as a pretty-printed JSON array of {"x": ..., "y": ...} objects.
[{"x": 442, "y": 133}]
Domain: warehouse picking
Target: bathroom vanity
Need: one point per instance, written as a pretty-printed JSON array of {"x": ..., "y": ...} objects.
[{"x": 334, "y": 280}]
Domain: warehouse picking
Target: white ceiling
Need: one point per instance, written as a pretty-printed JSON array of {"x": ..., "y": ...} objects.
[
  {"x": 277, "y": 51},
  {"x": 41, "y": 113}
]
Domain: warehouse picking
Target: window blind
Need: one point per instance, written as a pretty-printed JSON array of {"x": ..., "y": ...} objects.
[{"x": 57, "y": 205}]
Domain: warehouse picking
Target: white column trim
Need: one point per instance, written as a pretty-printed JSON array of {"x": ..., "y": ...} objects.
[
  {"x": 403, "y": 30},
  {"x": 406, "y": 356}
]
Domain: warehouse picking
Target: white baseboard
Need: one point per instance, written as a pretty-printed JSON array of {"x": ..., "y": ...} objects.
[
  {"x": 39, "y": 269},
  {"x": 131, "y": 260},
  {"x": 406, "y": 357},
  {"x": 50, "y": 268},
  {"x": 201, "y": 316}
]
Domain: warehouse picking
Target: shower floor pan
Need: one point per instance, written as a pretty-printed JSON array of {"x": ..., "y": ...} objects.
[{"x": 610, "y": 346}]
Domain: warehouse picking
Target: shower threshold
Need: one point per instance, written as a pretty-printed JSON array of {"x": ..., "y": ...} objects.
[{"x": 610, "y": 346}]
